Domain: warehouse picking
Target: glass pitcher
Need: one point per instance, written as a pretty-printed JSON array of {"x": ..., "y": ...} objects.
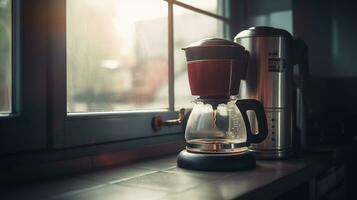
[{"x": 222, "y": 125}]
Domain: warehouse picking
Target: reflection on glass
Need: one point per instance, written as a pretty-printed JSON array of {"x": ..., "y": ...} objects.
[
  {"x": 189, "y": 27},
  {"x": 5, "y": 56},
  {"x": 116, "y": 55}
]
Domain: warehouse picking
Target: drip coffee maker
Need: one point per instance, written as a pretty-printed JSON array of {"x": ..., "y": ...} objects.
[{"x": 218, "y": 130}]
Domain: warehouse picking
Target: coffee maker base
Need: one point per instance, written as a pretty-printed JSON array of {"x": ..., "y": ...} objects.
[
  {"x": 216, "y": 162},
  {"x": 272, "y": 154}
]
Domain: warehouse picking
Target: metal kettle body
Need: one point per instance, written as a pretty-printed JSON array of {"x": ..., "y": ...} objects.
[{"x": 269, "y": 79}]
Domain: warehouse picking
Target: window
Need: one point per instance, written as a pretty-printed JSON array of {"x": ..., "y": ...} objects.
[
  {"x": 116, "y": 55},
  {"x": 5, "y": 57},
  {"x": 86, "y": 72},
  {"x": 123, "y": 64},
  {"x": 117, "y": 52}
]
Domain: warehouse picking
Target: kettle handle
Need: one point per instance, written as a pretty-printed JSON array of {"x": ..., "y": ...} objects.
[
  {"x": 251, "y": 104},
  {"x": 301, "y": 81}
]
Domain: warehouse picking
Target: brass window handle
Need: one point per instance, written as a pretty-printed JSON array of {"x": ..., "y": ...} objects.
[{"x": 157, "y": 122}]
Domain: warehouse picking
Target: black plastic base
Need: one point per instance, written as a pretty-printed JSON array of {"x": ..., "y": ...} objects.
[{"x": 215, "y": 162}]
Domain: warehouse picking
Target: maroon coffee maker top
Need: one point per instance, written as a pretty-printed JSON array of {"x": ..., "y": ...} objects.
[{"x": 215, "y": 67}]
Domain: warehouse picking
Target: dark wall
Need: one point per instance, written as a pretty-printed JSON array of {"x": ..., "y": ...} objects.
[
  {"x": 329, "y": 29},
  {"x": 248, "y": 13},
  {"x": 277, "y": 13},
  {"x": 344, "y": 38}
]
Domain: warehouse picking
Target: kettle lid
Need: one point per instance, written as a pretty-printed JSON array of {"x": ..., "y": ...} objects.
[
  {"x": 214, "y": 48},
  {"x": 263, "y": 31}
]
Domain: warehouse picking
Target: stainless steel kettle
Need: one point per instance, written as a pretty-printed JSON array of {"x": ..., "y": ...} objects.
[{"x": 269, "y": 79}]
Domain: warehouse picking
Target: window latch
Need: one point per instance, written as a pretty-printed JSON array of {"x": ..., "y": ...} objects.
[{"x": 157, "y": 122}]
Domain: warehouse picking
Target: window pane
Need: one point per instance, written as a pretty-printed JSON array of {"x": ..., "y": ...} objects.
[
  {"x": 5, "y": 56},
  {"x": 187, "y": 31},
  {"x": 213, "y": 6},
  {"x": 116, "y": 55}
]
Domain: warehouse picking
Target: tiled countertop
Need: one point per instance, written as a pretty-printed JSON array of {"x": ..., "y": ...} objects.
[{"x": 162, "y": 179}]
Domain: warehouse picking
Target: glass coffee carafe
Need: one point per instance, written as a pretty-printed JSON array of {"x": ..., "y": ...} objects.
[{"x": 222, "y": 125}]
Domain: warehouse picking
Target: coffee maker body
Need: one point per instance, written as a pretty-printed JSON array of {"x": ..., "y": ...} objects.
[
  {"x": 218, "y": 131},
  {"x": 269, "y": 79}
]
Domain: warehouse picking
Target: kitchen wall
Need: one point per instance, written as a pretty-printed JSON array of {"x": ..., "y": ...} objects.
[
  {"x": 248, "y": 13},
  {"x": 329, "y": 28},
  {"x": 277, "y": 13}
]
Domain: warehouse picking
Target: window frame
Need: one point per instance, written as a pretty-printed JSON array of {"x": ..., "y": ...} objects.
[{"x": 24, "y": 128}]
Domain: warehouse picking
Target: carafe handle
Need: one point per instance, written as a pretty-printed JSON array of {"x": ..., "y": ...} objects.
[{"x": 251, "y": 104}]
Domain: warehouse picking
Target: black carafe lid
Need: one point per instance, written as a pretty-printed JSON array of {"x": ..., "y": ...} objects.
[
  {"x": 263, "y": 31},
  {"x": 214, "y": 48}
]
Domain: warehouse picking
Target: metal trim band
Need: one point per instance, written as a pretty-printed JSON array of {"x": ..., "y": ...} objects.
[{"x": 217, "y": 147}]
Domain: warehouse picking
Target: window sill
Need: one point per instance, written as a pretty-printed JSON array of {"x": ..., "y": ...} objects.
[
  {"x": 29, "y": 166},
  {"x": 161, "y": 179}
]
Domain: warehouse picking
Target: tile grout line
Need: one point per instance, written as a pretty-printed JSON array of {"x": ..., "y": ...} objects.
[{"x": 125, "y": 179}]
